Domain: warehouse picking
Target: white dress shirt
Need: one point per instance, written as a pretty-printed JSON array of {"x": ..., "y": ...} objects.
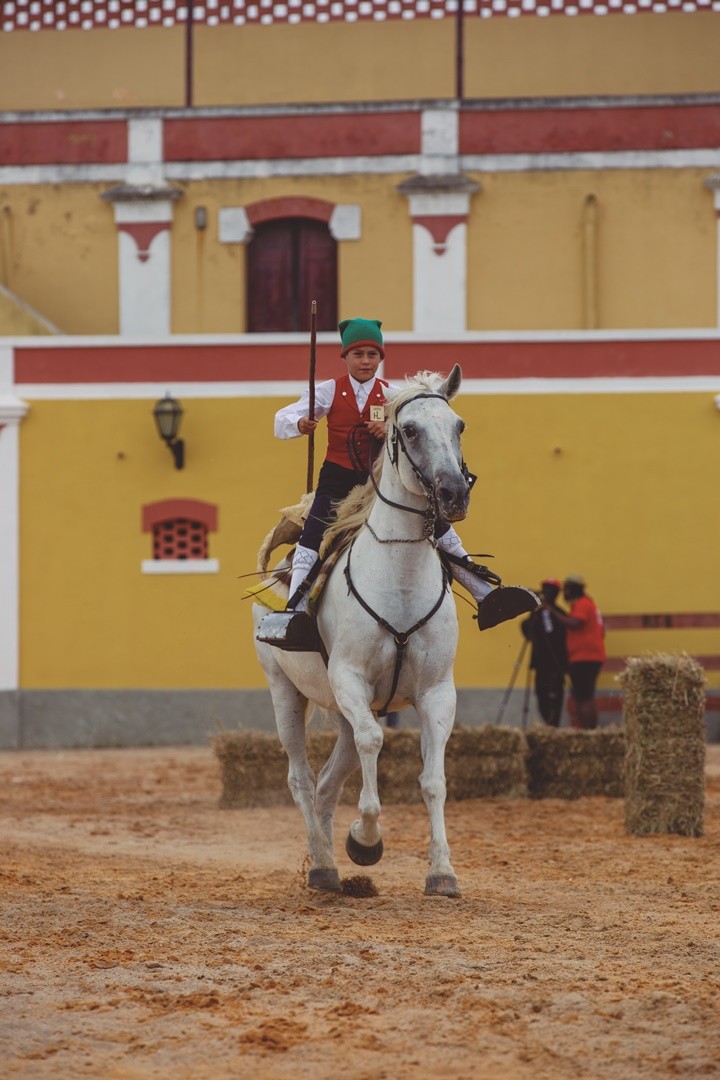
[{"x": 286, "y": 419}]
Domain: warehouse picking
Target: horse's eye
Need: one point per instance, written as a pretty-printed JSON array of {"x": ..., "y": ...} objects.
[
  {"x": 461, "y": 427},
  {"x": 410, "y": 431}
]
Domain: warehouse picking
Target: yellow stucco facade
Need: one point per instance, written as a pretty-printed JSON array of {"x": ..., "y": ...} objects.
[
  {"x": 361, "y": 61},
  {"x": 613, "y": 486}
]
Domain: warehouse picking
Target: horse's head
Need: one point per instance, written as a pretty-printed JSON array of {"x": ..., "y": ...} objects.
[{"x": 424, "y": 442}]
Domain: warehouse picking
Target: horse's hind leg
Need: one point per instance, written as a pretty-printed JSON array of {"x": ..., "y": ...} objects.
[
  {"x": 290, "y": 706},
  {"x": 342, "y": 762},
  {"x": 437, "y": 712}
]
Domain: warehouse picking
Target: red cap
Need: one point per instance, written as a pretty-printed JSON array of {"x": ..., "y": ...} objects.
[{"x": 552, "y": 581}]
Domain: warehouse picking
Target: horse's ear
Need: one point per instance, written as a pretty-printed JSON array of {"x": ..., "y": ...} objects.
[{"x": 450, "y": 387}]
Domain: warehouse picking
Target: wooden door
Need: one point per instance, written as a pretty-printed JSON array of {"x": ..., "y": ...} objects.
[{"x": 290, "y": 263}]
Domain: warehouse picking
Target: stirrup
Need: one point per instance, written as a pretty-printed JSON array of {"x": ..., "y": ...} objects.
[
  {"x": 505, "y": 603},
  {"x": 292, "y": 631}
]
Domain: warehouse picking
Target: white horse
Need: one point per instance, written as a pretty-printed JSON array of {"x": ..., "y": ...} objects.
[{"x": 389, "y": 625}]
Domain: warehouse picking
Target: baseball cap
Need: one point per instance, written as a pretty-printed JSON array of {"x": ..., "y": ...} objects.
[{"x": 575, "y": 579}]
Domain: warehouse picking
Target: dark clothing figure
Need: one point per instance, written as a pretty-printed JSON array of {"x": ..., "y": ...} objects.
[{"x": 548, "y": 656}]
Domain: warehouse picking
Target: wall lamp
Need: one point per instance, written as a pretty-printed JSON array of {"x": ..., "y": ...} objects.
[{"x": 168, "y": 414}]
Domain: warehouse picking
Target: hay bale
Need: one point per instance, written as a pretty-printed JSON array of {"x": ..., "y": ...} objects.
[
  {"x": 484, "y": 762},
  {"x": 569, "y": 764},
  {"x": 479, "y": 762},
  {"x": 665, "y": 744},
  {"x": 254, "y": 768}
]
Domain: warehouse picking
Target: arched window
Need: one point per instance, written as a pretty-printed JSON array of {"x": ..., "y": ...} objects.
[{"x": 290, "y": 262}]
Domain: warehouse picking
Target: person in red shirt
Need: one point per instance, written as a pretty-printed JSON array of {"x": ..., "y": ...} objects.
[{"x": 585, "y": 647}]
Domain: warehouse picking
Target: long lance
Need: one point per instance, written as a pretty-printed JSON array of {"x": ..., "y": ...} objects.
[{"x": 311, "y": 406}]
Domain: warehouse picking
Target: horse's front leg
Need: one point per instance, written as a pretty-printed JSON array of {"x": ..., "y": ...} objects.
[
  {"x": 436, "y": 709},
  {"x": 364, "y": 842}
]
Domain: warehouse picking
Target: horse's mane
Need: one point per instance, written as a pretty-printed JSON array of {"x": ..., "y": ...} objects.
[{"x": 354, "y": 510}]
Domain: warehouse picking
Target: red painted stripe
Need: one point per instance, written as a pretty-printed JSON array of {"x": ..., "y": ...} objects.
[
  {"x": 685, "y": 621},
  {"x": 558, "y": 359},
  {"x": 254, "y": 137},
  {"x": 547, "y": 131},
  {"x": 81, "y": 142},
  {"x": 173, "y": 363},
  {"x": 250, "y": 362},
  {"x": 617, "y": 663}
]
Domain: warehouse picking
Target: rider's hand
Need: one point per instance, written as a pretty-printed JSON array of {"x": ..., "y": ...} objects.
[
  {"x": 377, "y": 428},
  {"x": 306, "y": 425}
]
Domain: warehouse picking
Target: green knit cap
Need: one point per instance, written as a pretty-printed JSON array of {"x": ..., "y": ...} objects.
[{"x": 360, "y": 332}]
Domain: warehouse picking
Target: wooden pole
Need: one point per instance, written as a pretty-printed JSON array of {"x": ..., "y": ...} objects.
[{"x": 311, "y": 408}]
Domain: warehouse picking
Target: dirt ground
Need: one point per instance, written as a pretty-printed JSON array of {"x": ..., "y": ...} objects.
[{"x": 146, "y": 933}]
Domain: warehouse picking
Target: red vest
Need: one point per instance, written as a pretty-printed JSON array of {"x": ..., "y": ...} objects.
[{"x": 344, "y": 416}]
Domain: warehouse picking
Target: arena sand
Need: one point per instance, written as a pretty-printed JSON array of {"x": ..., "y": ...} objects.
[{"x": 146, "y": 933}]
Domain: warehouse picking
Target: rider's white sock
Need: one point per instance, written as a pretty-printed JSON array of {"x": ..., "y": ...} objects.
[
  {"x": 451, "y": 542},
  {"x": 303, "y": 561}
]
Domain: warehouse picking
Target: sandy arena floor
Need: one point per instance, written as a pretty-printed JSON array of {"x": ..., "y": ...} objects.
[{"x": 145, "y": 933}]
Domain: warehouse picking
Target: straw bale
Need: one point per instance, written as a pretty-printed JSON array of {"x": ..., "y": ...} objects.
[
  {"x": 478, "y": 762},
  {"x": 567, "y": 764},
  {"x": 665, "y": 740}
]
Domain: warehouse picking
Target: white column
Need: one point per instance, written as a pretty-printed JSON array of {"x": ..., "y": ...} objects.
[{"x": 12, "y": 410}]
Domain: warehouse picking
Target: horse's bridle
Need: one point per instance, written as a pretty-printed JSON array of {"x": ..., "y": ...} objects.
[
  {"x": 431, "y": 512},
  {"x": 431, "y": 515}
]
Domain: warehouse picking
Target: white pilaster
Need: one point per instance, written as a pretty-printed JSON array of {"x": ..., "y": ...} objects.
[
  {"x": 143, "y": 215},
  {"x": 439, "y": 282},
  {"x": 12, "y": 410},
  {"x": 439, "y": 206}
]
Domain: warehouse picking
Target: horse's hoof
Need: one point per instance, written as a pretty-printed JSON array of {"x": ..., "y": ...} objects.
[
  {"x": 442, "y": 885},
  {"x": 324, "y": 880},
  {"x": 362, "y": 855}
]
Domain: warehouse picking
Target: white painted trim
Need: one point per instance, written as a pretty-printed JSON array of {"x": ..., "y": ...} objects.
[
  {"x": 145, "y": 139},
  {"x": 346, "y": 222},
  {"x": 180, "y": 566},
  {"x": 137, "y": 211},
  {"x": 439, "y": 281},
  {"x": 330, "y": 337},
  {"x": 264, "y": 168},
  {"x": 670, "y": 384},
  {"x": 144, "y": 286},
  {"x": 234, "y": 225},
  {"x": 12, "y": 410}
]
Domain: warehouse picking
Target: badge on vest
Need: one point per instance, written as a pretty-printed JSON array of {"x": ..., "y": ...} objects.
[{"x": 377, "y": 412}]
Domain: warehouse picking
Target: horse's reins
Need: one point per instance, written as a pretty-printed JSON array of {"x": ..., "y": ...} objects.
[{"x": 430, "y": 514}]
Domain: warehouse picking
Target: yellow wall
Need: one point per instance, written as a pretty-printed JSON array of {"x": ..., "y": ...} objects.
[
  {"x": 655, "y": 249},
  {"x": 92, "y": 69},
  {"x": 363, "y": 61},
  {"x": 59, "y": 254},
  {"x": 610, "y": 54},
  {"x": 366, "y": 61},
  {"x": 625, "y": 502}
]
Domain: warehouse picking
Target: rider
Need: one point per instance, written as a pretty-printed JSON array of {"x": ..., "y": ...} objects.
[{"x": 354, "y": 441}]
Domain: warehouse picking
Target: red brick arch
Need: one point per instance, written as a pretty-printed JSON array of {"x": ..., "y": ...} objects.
[
  {"x": 289, "y": 207},
  {"x": 171, "y": 509}
]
